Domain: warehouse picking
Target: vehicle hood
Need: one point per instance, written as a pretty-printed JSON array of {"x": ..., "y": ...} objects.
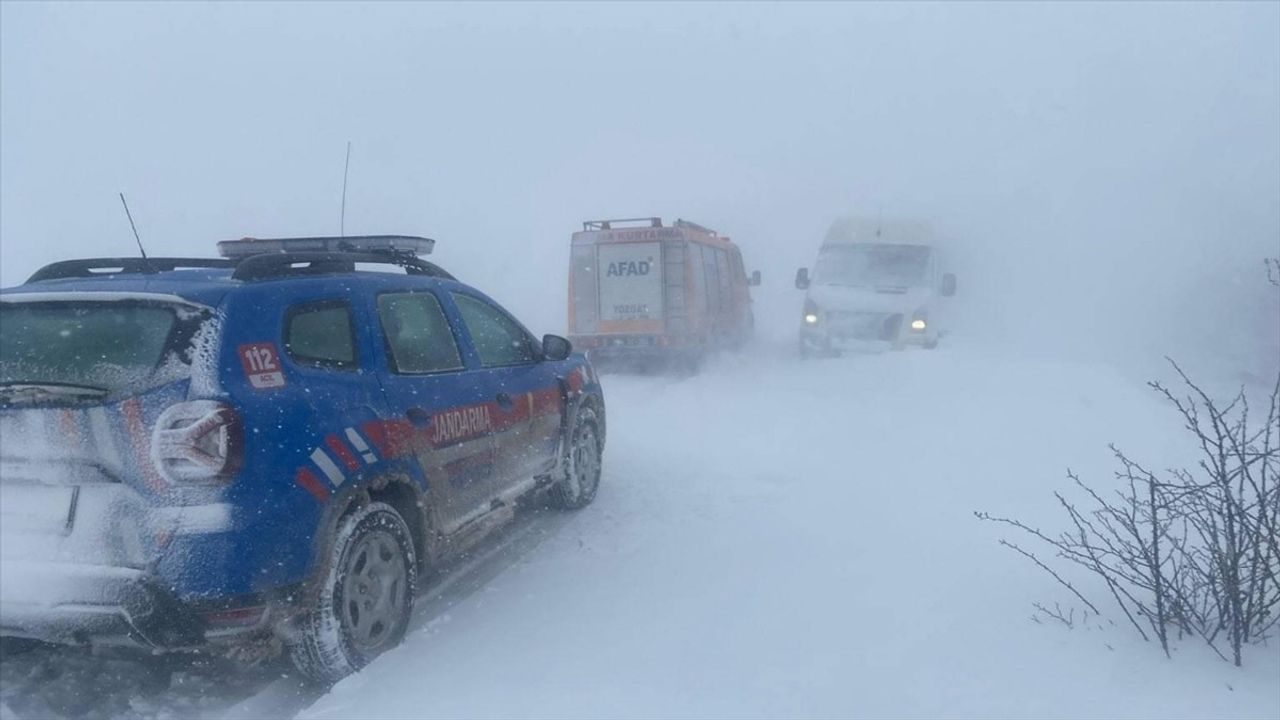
[{"x": 869, "y": 299}]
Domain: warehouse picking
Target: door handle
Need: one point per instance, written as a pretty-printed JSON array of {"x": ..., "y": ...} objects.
[
  {"x": 504, "y": 401},
  {"x": 418, "y": 416}
]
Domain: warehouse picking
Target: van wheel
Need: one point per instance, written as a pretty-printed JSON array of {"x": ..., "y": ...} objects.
[
  {"x": 362, "y": 607},
  {"x": 580, "y": 479}
]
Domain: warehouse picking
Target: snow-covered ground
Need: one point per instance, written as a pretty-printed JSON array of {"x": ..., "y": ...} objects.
[
  {"x": 778, "y": 538},
  {"x": 772, "y": 538}
]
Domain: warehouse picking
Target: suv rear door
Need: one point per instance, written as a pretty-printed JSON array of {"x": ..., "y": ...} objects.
[{"x": 444, "y": 407}]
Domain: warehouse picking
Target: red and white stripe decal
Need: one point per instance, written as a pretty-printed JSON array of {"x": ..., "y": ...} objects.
[
  {"x": 340, "y": 449},
  {"x": 361, "y": 446},
  {"x": 332, "y": 471},
  {"x": 398, "y": 437},
  {"x": 309, "y": 482},
  {"x": 328, "y": 467}
]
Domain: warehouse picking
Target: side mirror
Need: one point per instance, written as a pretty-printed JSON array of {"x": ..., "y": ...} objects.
[
  {"x": 948, "y": 285},
  {"x": 802, "y": 279},
  {"x": 555, "y": 347},
  {"x": 755, "y": 278}
]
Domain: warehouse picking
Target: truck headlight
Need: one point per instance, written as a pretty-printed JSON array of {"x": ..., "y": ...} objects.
[
  {"x": 918, "y": 325},
  {"x": 811, "y": 318}
]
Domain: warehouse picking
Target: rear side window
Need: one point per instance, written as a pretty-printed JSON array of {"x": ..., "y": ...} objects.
[
  {"x": 417, "y": 333},
  {"x": 499, "y": 340},
  {"x": 322, "y": 335}
]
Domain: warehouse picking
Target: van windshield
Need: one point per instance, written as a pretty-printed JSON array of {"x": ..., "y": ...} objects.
[
  {"x": 871, "y": 265},
  {"x": 81, "y": 350}
]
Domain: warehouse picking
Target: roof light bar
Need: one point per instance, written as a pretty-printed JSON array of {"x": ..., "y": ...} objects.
[{"x": 237, "y": 249}]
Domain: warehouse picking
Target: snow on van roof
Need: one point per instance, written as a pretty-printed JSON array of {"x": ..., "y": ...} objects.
[{"x": 861, "y": 229}]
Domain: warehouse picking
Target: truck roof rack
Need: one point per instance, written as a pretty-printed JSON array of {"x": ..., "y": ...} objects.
[
  {"x": 271, "y": 265},
  {"x": 686, "y": 225},
  {"x": 608, "y": 224},
  {"x": 104, "y": 267}
]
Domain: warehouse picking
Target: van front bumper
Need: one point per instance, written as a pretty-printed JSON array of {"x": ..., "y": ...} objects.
[{"x": 831, "y": 338}]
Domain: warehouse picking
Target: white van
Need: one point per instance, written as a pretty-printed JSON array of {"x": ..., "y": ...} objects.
[{"x": 876, "y": 285}]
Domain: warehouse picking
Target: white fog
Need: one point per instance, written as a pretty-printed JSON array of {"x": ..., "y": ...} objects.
[{"x": 774, "y": 535}]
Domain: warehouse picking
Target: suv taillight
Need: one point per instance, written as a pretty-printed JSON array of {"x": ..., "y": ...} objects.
[{"x": 197, "y": 441}]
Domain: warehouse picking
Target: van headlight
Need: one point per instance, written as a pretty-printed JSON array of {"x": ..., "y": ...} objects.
[
  {"x": 918, "y": 324},
  {"x": 810, "y": 312}
]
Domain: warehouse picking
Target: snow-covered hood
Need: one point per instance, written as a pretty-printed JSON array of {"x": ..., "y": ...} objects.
[{"x": 867, "y": 299}]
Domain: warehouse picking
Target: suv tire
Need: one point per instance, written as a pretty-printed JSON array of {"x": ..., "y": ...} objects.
[
  {"x": 362, "y": 606},
  {"x": 580, "y": 477}
]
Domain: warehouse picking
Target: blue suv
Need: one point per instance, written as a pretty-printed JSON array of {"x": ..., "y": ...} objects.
[{"x": 274, "y": 445}]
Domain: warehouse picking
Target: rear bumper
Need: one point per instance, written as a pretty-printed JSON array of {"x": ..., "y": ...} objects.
[{"x": 75, "y": 604}]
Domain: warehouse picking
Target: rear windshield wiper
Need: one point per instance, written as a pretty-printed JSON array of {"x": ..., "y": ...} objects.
[{"x": 32, "y": 392}]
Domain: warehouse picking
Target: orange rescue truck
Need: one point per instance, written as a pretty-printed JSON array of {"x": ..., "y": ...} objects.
[{"x": 647, "y": 292}]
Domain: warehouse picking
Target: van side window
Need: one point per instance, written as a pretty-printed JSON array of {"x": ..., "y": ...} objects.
[
  {"x": 321, "y": 335},
  {"x": 417, "y": 334},
  {"x": 499, "y": 340}
]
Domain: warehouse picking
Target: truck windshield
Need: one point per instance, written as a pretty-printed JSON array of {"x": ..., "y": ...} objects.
[
  {"x": 82, "y": 350},
  {"x": 870, "y": 265}
]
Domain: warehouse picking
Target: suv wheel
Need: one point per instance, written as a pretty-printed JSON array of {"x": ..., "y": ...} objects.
[
  {"x": 580, "y": 478},
  {"x": 362, "y": 607}
]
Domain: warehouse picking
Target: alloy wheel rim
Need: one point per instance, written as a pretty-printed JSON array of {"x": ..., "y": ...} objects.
[
  {"x": 374, "y": 591},
  {"x": 586, "y": 462}
]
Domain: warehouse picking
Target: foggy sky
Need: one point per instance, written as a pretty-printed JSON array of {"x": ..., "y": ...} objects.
[{"x": 1109, "y": 175}]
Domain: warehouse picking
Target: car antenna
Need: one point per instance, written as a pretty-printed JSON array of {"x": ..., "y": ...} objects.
[
  {"x": 135, "y": 229},
  {"x": 879, "y": 220},
  {"x": 342, "y": 222}
]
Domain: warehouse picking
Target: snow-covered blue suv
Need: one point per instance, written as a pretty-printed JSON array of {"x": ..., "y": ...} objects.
[{"x": 273, "y": 444}]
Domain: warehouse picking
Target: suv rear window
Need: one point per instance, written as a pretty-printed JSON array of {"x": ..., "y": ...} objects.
[{"x": 101, "y": 347}]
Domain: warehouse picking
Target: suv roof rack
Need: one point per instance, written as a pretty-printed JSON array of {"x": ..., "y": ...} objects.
[
  {"x": 608, "y": 224},
  {"x": 253, "y": 259},
  {"x": 266, "y": 266},
  {"x": 103, "y": 267}
]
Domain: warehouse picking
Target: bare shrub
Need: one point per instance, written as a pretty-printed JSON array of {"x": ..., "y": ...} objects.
[{"x": 1185, "y": 551}]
